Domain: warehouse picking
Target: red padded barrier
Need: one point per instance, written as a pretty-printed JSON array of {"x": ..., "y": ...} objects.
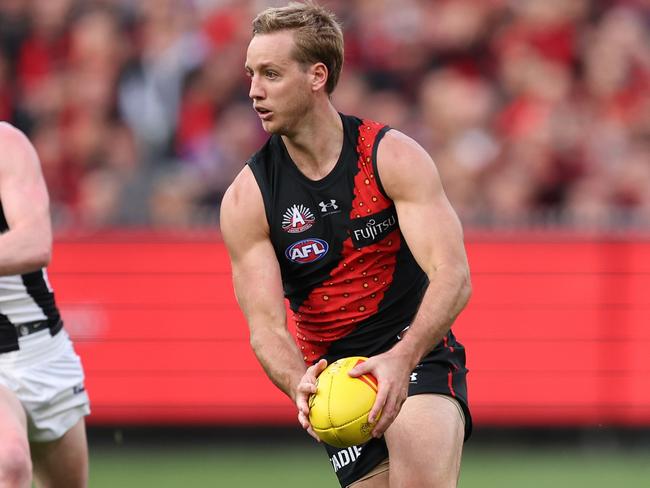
[{"x": 557, "y": 332}]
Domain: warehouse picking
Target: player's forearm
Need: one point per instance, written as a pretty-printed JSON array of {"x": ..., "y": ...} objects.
[
  {"x": 21, "y": 251},
  {"x": 279, "y": 356},
  {"x": 447, "y": 295}
]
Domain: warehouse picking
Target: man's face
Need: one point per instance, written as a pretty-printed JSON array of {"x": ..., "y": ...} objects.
[{"x": 280, "y": 87}]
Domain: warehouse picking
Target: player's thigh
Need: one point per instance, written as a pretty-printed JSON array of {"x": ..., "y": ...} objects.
[
  {"x": 425, "y": 443},
  {"x": 64, "y": 461},
  {"x": 14, "y": 447},
  {"x": 13, "y": 421}
]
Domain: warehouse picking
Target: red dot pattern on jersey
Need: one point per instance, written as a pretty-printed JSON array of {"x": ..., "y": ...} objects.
[{"x": 357, "y": 285}]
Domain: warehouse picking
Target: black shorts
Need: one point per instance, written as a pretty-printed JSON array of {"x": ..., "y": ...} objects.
[{"x": 442, "y": 371}]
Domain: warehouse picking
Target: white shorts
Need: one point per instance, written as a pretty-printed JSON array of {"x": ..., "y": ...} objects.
[{"x": 47, "y": 377}]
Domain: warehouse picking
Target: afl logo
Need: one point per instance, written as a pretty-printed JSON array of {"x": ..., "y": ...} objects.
[
  {"x": 297, "y": 218},
  {"x": 307, "y": 251}
]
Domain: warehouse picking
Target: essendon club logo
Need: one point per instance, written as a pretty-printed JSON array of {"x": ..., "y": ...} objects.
[
  {"x": 307, "y": 251},
  {"x": 297, "y": 218}
]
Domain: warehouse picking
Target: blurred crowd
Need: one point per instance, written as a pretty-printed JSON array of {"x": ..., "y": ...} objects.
[{"x": 537, "y": 112}]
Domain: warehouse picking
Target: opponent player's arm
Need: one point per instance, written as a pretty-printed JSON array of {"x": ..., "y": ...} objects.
[
  {"x": 434, "y": 235},
  {"x": 27, "y": 245},
  {"x": 257, "y": 282}
]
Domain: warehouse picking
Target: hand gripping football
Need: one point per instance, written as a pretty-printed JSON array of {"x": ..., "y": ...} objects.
[{"x": 339, "y": 409}]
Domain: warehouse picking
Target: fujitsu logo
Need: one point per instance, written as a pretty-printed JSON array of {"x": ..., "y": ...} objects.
[
  {"x": 374, "y": 228},
  {"x": 297, "y": 218}
]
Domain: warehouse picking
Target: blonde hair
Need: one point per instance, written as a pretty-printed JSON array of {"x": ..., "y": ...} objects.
[{"x": 317, "y": 34}]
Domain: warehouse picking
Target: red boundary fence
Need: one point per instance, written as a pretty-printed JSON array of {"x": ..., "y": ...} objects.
[{"x": 557, "y": 332}]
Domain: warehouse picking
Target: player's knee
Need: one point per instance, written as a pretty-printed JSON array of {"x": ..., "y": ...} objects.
[
  {"x": 15, "y": 464},
  {"x": 439, "y": 480}
]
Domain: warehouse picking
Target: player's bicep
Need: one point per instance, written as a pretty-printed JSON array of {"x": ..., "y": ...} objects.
[
  {"x": 256, "y": 279},
  {"x": 433, "y": 232},
  {"x": 426, "y": 218},
  {"x": 255, "y": 270}
]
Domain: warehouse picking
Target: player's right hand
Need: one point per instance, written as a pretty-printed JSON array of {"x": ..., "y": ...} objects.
[
  {"x": 392, "y": 374},
  {"x": 306, "y": 387}
]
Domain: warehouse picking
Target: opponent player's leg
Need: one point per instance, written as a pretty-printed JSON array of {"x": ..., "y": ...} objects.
[
  {"x": 62, "y": 463},
  {"x": 425, "y": 443},
  {"x": 15, "y": 463}
]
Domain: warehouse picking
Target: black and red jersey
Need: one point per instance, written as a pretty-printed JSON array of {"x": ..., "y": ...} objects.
[{"x": 351, "y": 280}]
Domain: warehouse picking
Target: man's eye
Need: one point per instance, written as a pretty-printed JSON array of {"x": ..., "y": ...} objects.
[{"x": 271, "y": 75}]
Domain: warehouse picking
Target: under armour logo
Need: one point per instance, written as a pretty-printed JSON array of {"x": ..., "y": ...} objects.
[
  {"x": 414, "y": 378},
  {"x": 324, "y": 207}
]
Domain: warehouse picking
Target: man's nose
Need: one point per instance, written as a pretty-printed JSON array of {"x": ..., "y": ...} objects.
[{"x": 256, "y": 91}]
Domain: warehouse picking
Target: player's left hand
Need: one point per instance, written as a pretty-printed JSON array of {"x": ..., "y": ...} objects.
[
  {"x": 392, "y": 372},
  {"x": 307, "y": 387}
]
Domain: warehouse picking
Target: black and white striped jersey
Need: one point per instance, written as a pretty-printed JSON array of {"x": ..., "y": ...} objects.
[{"x": 26, "y": 298}]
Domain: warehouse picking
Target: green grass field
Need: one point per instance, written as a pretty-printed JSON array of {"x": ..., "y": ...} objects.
[{"x": 288, "y": 464}]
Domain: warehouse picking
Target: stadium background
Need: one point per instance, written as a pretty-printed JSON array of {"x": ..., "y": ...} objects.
[{"x": 537, "y": 113}]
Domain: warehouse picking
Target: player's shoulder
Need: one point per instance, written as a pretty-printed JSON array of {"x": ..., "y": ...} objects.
[
  {"x": 243, "y": 197},
  {"x": 242, "y": 187},
  {"x": 396, "y": 143},
  {"x": 7, "y": 128},
  {"x": 403, "y": 163},
  {"x": 245, "y": 188},
  {"x": 12, "y": 136},
  {"x": 242, "y": 215},
  {"x": 16, "y": 147},
  {"x": 400, "y": 152}
]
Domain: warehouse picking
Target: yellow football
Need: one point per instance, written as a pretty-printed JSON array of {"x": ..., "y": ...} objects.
[{"x": 339, "y": 409}]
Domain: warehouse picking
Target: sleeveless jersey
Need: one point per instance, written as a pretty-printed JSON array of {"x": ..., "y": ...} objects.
[
  {"x": 24, "y": 298},
  {"x": 351, "y": 280}
]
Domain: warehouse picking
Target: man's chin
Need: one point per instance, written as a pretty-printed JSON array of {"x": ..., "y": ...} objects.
[
  {"x": 268, "y": 126},
  {"x": 272, "y": 128}
]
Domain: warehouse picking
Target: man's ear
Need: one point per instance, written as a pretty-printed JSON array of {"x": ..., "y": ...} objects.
[{"x": 319, "y": 74}]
